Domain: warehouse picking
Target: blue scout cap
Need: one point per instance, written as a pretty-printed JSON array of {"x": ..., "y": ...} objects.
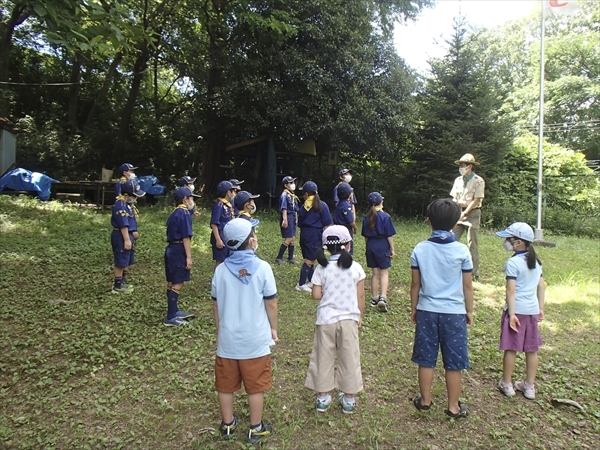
[
  {"x": 288, "y": 180},
  {"x": 132, "y": 187},
  {"x": 375, "y": 198},
  {"x": 310, "y": 187},
  {"x": 223, "y": 187},
  {"x": 344, "y": 190},
  {"x": 126, "y": 167},
  {"x": 236, "y": 183},
  {"x": 236, "y": 231},
  {"x": 242, "y": 197},
  {"x": 519, "y": 230},
  {"x": 181, "y": 192},
  {"x": 186, "y": 180},
  {"x": 345, "y": 171}
]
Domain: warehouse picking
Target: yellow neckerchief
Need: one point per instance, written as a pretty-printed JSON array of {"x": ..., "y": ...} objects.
[
  {"x": 295, "y": 198},
  {"x": 245, "y": 213},
  {"x": 136, "y": 213},
  {"x": 182, "y": 206},
  {"x": 378, "y": 208},
  {"x": 123, "y": 178},
  {"x": 309, "y": 202},
  {"x": 226, "y": 203}
]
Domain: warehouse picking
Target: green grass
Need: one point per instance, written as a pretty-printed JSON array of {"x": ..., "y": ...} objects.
[{"x": 83, "y": 369}]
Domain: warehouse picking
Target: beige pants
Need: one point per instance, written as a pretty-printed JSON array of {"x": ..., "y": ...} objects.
[
  {"x": 337, "y": 339},
  {"x": 471, "y": 225}
]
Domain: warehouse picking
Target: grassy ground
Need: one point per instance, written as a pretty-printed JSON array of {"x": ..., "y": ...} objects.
[{"x": 83, "y": 369}]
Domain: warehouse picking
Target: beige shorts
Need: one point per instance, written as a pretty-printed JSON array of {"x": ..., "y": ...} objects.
[
  {"x": 339, "y": 340},
  {"x": 256, "y": 374}
]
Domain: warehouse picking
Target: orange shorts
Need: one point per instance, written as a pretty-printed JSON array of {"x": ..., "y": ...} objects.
[{"x": 256, "y": 374}]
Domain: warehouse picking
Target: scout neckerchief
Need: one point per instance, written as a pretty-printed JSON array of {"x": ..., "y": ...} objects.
[
  {"x": 309, "y": 202},
  {"x": 226, "y": 203},
  {"x": 465, "y": 181},
  {"x": 378, "y": 208},
  {"x": 442, "y": 237},
  {"x": 295, "y": 199},
  {"x": 135, "y": 210},
  {"x": 182, "y": 206},
  {"x": 245, "y": 213}
]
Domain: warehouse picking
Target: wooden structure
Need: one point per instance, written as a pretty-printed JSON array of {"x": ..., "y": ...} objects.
[{"x": 8, "y": 145}]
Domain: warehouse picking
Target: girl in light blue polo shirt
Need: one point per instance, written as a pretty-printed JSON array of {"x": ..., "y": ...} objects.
[{"x": 523, "y": 309}]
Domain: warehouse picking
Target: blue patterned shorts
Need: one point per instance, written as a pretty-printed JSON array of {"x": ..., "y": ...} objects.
[{"x": 446, "y": 331}]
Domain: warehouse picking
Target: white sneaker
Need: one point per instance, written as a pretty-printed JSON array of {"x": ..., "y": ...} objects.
[
  {"x": 309, "y": 284},
  {"x": 527, "y": 390},
  {"x": 303, "y": 288},
  {"x": 506, "y": 389}
]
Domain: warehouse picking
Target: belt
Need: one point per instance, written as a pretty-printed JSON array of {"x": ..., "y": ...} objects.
[{"x": 175, "y": 242}]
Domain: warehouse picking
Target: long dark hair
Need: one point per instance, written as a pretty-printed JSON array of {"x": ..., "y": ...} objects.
[
  {"x": 316, "y": 202},
  {"x": 372, "y": 218},
  {"x": 532, "y": 257},
  {"x": 345, "y": 260}
]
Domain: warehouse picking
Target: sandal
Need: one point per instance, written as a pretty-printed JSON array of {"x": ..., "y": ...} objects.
[
  {"x": 417, "y": 402},
  {"x": 461, "y": 414}
]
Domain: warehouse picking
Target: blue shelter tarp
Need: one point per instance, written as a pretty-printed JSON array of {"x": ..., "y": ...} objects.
[
  {"x": 150, "y": 184},
  {"x": 24, "y": 180}
]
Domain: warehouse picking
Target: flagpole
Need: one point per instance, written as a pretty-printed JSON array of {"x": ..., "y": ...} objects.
[{"x": 539, "y": 233}]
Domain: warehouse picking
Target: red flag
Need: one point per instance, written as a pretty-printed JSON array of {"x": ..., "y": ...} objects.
[{"x": 563, "y": 7}]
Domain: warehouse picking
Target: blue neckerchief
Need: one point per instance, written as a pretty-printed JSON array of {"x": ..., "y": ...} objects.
[
  {"x": 442, "y": 237},
  {"x": 334, "y": 257},
  {"x": 242, "y": 264}
]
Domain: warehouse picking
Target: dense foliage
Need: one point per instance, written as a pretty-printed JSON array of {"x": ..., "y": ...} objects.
[{"x": 168, "y": 85}]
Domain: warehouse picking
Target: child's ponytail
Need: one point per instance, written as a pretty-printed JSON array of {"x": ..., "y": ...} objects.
[
  {"x": 321, "y": 258},
  {"x": 532, "y": 258},
  {"x": 345, "y": 260}
]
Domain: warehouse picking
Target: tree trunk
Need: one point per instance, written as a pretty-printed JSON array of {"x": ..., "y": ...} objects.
[
  {"x": 139, "y": 70},
  {"x": 102, "y": 94},
  {"x": 17, "y": 17}
]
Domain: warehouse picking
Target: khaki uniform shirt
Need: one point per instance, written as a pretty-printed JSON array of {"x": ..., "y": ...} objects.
[{"x": 463, "y": 193}]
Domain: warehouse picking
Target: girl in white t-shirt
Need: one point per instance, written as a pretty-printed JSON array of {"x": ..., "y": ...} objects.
[
  {"x": 338, "y": 284},
  {"x": 523, "y": 310}
]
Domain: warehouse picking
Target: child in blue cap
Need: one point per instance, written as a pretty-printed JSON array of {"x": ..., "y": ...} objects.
[
  {"x": 344, "y": 212},
  {"x": 124, "y": 234},
  {"x": 127, "y": 173},
  {"x": 524, "y": 308},
  {"x": 188, "y": 182},
  {"x": 288, "y": 219},
  {"x": 237, "y": 187},
  {"x": 378, "y": 231},
  {"x": 222, "y": 212},
  {"x": 313, "y": 218},
  {"x": 244, "y": 203},
  {"x": 178, "y": 255},
  {"x": 244, "y": 297}
]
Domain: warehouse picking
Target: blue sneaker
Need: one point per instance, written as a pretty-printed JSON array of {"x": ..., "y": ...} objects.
[
  {"x": 174, "y": 322},
  {"x": 322, "y": 405},
  {"x": 184, "y": 315},
  {"x": 347, "y": 408}
]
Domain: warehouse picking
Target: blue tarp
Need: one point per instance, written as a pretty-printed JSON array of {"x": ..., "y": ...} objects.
[
  {"x": 150, "y": 184},
  {"x": 24, "y": 180}
]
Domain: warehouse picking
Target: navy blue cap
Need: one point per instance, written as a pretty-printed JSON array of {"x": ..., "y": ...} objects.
[
  {"x": 186, "y": 180},
  {"x": 310, "y": 187},
  {"x": 345, "y": 171},
  {"x": 236, "y": 183},
  {"x": 223, "y": 187},
  {"x": 375, "y": 198},
  {"x": 132, "y": 187},
  {"x": 344, "y": 190},
  {"x": 288, "y": 180},
  {"x": 242, "y": 197},
  {"x": 126, "y": 167},
  {"x": 181, "y": 192}
]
